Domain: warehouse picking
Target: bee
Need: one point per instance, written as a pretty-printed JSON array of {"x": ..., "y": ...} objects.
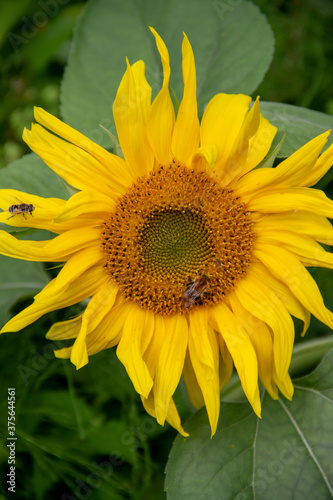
[
  {"x": 21, "y": 208},
  {"x": 195, "y": 290}
]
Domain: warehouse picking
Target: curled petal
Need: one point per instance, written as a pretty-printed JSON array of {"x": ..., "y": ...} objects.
[
  {"x": 161, "y": 115},
  {"x": 130, "y": 111},
  {"x": 185, "y": 139},
  {"x": 241, "y": 350},
  {"x": 129, "y": 351}
]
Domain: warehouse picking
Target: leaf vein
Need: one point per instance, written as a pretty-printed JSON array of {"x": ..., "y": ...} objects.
[
  {"x": 307, "y": 445},
  {"x": 318, "y": 393}
]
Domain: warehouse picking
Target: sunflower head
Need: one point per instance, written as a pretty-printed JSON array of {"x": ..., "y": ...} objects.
[
  {"x": 194, "y": 260},
  {"x": 173, "y": 225}
]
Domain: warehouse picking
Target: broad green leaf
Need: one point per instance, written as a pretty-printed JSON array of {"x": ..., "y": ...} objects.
[
  {"x": 31, "y": 175},
  {"x": 300, "y": 124},
  {"x": 18, "y": 279},
  {"x": 286, "y": 454},
  {"x": 306, "y": 355},
  {"x": 233, "y": 48}
]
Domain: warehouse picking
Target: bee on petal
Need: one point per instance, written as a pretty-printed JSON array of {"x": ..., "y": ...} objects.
[
  {"x": 21, "y": 208},
  {"x": 195, "y": 290}
]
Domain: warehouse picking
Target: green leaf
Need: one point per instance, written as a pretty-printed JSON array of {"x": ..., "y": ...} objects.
[
  {"x": 233, "y": 48},
  {"x": 18, "y": 279},
  {"x": 307, "y": 355},
  {"x": 300, "y": 124},
  {"x": 286, "y": 454},
  {"x": 31, "y": 175}
]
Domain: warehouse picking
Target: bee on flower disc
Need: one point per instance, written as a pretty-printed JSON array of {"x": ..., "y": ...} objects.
[
  {"x": 195, "y": 290},
  {"x": 21, "y": 208}
]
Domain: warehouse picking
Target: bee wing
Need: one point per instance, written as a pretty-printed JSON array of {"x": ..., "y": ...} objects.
[{"x": 14, "y": 199}]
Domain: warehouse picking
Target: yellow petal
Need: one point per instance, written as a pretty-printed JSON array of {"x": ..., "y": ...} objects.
[
  {"x": 151, "y": 354},
  {"x": 107, "y": 333},
  {"x": 289, "y": 173},
  {"x": 237, "y": 163},
  {"x": 110, "y": 164},
  {"x": 192, "y": 387},
  {"x": 263, "y": 303},
  {"x": 88, "y": 203},
  {"x": 64, "y": 330},
  {"x": 162, "y": 114},
  {"x": 43, "y": 213},
  {"x": 64, "y": 353},
  {"x": 170, "y": 364},
  {"x": 149, "y": 331},
  {"x": 76, "y": 166},
  {"x": 173, "y": 419},
  {"x": 79, "y": 353},
  {"x": 323, "y": 164},
  {"x": 261, "y": 340},
  {"x": 315, "y": 226},
  {"x": 284, "y": 199},
  {"x": 130, "y": 111},
  {"x": 309, "y": 251},
  {"x": 185, "y": 139},
  {"x": 198, "y": 334},
  {"x": 13, "y": 197},
  {"x": 241, "y": 350},
  {"x": 285, "y": 385},
  {"x": 287, "y": 268},
  {"x": 259, "y": 144},
  {"x": 76, "y": 265},
  {"x": 99, "y": 305},
  {"x": 226, "y": 364},
  {"x": 204, "y": 354},
  {"x": 58, "y": 249},
  {"x": 221, "y": 124},
  {"x": 88, "y": 284},
  {"x": 205, "y": 158},
  {"x": 87, "y": 207},
  {"x": 293, "y": 306},
  {"x": 172, "y": 414},
  {"x": 129, "y": 351}
]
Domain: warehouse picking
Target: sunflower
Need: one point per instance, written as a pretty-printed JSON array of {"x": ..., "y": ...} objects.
[{"x": 195, "y": 261}]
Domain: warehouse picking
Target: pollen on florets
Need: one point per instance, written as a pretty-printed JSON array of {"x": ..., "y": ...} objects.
[{"x": 171, "y": 226}]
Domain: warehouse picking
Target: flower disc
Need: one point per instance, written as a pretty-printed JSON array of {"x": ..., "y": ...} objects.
[{"x": 172, "y": 227}]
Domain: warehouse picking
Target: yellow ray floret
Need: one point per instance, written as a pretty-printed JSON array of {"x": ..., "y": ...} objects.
[
  {"x": 185, "y": 138},
  {"x": 170, "y": 364},
  {"x": 130, "y": 110},
  {"x": 161, "y": 116}
]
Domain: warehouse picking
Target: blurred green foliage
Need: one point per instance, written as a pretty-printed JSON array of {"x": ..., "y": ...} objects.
[
  {"x": 301, "y": 72},
  {"x": 34, "y": 44}
]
